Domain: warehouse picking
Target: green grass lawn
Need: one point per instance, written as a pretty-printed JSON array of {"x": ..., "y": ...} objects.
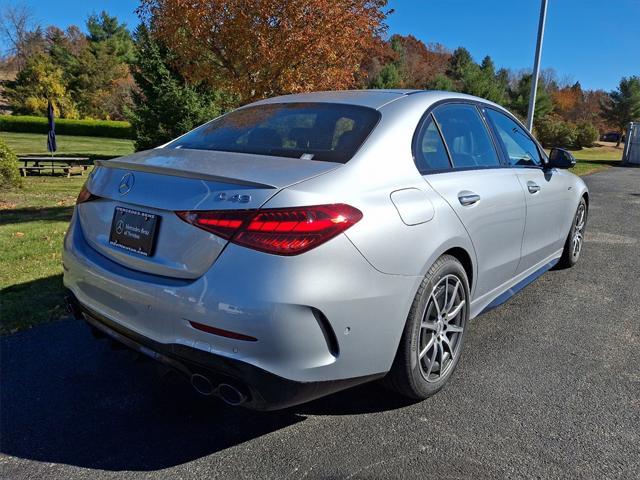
[
  {"x": 70, "y": 146},
  {"x": 33, "y": 221}
]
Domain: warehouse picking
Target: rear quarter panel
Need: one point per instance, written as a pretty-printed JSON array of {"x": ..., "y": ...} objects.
[{"x": 383, "y": 165}]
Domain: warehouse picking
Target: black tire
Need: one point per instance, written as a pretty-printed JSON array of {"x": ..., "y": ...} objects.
[
  {"x": 410, "y": 374},
  {"x": 571, "y": 253}
]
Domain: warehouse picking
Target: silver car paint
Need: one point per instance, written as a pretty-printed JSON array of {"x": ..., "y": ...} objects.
[{"x": 363, "y": 281}]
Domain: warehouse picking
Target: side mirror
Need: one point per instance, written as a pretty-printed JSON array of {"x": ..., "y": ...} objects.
[{"x": 561, "y": 158}]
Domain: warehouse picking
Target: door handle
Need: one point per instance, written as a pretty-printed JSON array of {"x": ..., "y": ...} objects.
[
  {"x": 467, "y": 198},
  {"x": 533, "y": 187}
]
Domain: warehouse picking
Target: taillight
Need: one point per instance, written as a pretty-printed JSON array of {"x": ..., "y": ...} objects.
[
  {"x": 281, "y": 231},
  {"x": 85, "y": 195}
]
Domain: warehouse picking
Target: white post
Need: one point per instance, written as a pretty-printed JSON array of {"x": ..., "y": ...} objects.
[{"x": 536, "y": 65}]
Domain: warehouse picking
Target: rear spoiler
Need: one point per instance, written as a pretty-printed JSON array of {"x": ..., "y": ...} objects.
[{"x": 160, "y": 170}]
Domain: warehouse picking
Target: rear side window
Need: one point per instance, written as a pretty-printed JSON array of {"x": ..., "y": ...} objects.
[
  {"x": 312, "y": 131},
  {"x": 466, "y": 136},
  {"x": 431, "y": 154},
  {"x": 520, "y": 148}
]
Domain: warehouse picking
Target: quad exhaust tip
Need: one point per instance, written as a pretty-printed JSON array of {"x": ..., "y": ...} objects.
[
  {"x": 202, "y": 385},
  {"x": 230, "y": 394}
]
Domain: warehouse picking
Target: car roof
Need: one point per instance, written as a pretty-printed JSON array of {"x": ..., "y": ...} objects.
[{"x": 371, "y": 98}]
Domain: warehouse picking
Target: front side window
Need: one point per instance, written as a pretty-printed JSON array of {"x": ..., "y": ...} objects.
[
  {"x": 520, "y": 148},
  {"x": 431, "y": 153},
  {"x": 311, "y": 131},
  {"x": 466, "y": 136}
]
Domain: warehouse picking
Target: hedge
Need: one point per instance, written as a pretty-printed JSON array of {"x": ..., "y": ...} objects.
[{"x": 64, "y": 126}]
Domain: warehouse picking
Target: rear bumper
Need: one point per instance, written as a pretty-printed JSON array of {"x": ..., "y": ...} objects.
[
  {"x": 265, "y": 391},
  {"x": 323, "y": 321}
]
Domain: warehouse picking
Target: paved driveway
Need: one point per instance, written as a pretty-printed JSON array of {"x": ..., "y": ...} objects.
[{"x": 548, "y": 386}]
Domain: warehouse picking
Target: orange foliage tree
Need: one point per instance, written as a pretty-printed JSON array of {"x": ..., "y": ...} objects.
[
  {"x": 421, "y": 63},
  {"x": 262, "y": 48}
]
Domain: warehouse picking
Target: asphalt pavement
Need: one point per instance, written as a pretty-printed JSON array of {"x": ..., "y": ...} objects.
[{"x": 548, "y": 387}]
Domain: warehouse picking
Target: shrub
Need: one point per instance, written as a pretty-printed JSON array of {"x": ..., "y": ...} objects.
[
  {"x": 587, "y": 135},
  {"x": 9, "y": 176},
  {"x": 546, "y": 130},
  {"x": 64, "y": 126},
  {"x": 566, "y": 135},
  {"x": 556, "y": 133}
]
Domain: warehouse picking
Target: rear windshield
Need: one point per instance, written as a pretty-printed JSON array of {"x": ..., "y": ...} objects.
[{"x": 328, "y": 132}]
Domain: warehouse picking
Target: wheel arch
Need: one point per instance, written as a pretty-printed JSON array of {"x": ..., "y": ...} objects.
[
  {"x": 464, "y": 258},
  {"x": 585, "y": 195}
]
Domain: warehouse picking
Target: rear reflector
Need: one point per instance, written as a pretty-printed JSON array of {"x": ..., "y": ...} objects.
[
  {"x": 222, "y": 333},
  {"x": 281, "y": 231}
]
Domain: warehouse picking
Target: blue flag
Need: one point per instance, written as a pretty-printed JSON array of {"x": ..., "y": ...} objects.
[{"x": 51, "y": 136}]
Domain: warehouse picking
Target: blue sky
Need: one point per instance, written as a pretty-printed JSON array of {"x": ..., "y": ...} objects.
[{"x": 593, "y": 41}]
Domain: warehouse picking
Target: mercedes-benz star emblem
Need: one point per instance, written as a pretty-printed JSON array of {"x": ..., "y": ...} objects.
[{"x": 126, "y": 184}]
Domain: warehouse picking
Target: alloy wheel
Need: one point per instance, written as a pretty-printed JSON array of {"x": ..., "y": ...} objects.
[
  {"x": 441, "y": 328},
  {"x": 578, "y": 230}
]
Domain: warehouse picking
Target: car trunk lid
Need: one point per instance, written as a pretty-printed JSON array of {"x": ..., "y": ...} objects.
[{"x": 155, "y": 184}]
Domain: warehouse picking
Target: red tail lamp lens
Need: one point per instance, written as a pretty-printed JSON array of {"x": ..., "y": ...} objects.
[
  {"x": 223, "y": 223},
  {"x": 84, "y": 196},
  {"x": 281, "y": 231}
]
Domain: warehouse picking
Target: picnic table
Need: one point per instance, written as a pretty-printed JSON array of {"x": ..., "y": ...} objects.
[{"x": 68, "y": 165}]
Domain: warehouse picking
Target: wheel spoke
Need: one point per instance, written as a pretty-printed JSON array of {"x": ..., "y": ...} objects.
[
  {"x": 447, "y": 342},
  {"x": 427, "y": 347},
  {"x": 454, "y": 294},
  {"x": 429, "y": 325},
  {"x": 454, "y": 313},
  {"x": 441, "y": 349},
  {"x": 454, "y": 328},
  {"x": 435, "y": 302},
  {"x": 446, "y": 294},
  {"x": 432, "y": 360}
]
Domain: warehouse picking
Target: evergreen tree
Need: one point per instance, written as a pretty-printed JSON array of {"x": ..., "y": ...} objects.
[
  {"x": 520, "y": 99},
  {"x": 623, "y": 104},
  {"x": 389, "y": 77},
  {"x": 460, "y": 65},
  {"x": 479, "y": 80},
  {"x": 442, "y": 82},
  {"x": 105, "y": 32},
  {"x": 164, "y": 104},
  {"x": 99, "y": 77}
]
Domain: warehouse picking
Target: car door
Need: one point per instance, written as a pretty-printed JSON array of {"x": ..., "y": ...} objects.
[
  {"x": 545, "y": 190},
  {"x": 458, "y": 158}
]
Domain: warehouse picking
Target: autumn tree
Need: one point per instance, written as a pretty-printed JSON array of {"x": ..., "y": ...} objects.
[
  {"x": 37, "y": 83},
  {"x": 419, "y": 63},
  {"x": 623, "y": 104},
  {"x": 268, "y": 47}
]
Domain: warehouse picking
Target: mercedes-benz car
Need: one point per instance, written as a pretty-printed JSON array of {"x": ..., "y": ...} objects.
[{"x": 306, "y": 243}]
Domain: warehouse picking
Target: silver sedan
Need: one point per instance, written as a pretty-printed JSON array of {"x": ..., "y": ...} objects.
[{"x": 307, "y": 243}]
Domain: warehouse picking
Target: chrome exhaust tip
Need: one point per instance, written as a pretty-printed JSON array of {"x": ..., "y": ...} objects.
[
  {"x": 231, "y": 395},
  {"x": 202, "y": 385}
]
